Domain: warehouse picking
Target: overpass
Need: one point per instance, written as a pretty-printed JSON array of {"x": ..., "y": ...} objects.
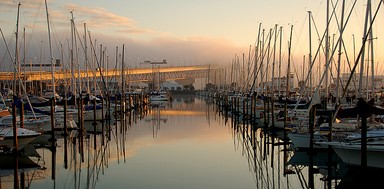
[{"x": 131, "y": 74}]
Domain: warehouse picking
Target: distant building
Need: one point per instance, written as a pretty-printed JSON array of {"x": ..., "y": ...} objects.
[
  {"x": 138, "y": 85},
  {"x": 354, "y": 83},
  {"x": 279, "y": 84},
  {"x": 171, "y": 86}
]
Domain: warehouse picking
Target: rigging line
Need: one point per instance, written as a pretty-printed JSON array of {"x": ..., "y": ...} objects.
[
  {"x": 301, "y": 178},
  {"x": 256, "y": 53},
  {"x": 359, "y": 18},
  {"x": 334, "y": 11},
  {"x": 248, "y": 67},
  {"x": 115, "y": 68},
  {"x": 92, "y": 70},
  {"x": 50, "y": 50},
  {"x": 342, "y": 41},
  {"x": 33, "y": 25},
  {"x": 348, "y": 61},
  {"x": 80, "y": 41},
  {"x": 359, "y": 55},
  {"x": 7, "y": 44},
  {"x": 262, "y": 60},
  {"x": 254, "y": 63},
  {"x": 9, "y": 53},
  {"x": 298, "y": 34},
  {"x": 18, "y": 75},
  {"x": 56, "y": 37},
  {"x": 296, "y": 72},
  {"x": 249, "y": 154},
  {"x": 248, "y": 151},
  {"x": 67, "y": 66},
  {"x": 268, "y": 58},
  {"x": 98, "y": 64},
  {"x": 317, "y": 53}
]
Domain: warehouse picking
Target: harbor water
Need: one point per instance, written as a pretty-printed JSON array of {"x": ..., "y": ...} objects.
[{"x": 185, "y": 143}]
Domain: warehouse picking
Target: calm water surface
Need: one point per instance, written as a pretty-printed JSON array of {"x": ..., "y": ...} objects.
[{"x": 185, "y": 144}]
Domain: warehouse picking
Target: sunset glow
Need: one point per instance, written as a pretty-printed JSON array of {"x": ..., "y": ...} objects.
[{"x": 186, "y": 32}]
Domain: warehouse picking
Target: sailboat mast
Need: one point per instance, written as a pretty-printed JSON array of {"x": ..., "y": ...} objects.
[
  {"x": 41, "y": 68},
  {"x": 248, "y": 68},
  {"x": 14, "y": 121},
  {"x": 73, "y": 79},
  {"x": 268, "y": 62},
  {"x": 372, "y": 57},
  {"x": 86, "y": 55},
  {"x": 105, "y": 60},
  {"x": 50, "y": 51},
  {"x": 327, "y": 52},
  {"x": 363, "y": 50},
  {"x": 233, "y": 81},
  {"x": 273, "y": 62},
  {"x": 262, "y": 63},
  {"x": 242, "y": 78},
  {"x": 310, "y": 52},
  {"x": 289, "y": 63},
  {"x": 254, "y": 85},
  {"x": 122, "y": 72},
  {"x": 24, "y": 61},
  {"x": 16, "y": 52},
  {"x": 209, "y": 70},
  {"x": 116, "y": 63},
  {"x": 279, "y": 80},
  {"x": 339, "y": 56}
]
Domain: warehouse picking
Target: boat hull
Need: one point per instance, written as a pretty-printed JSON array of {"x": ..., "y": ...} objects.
[
  {"x": 351, "y": 154},
  {"x": 302, "y": 141},
  {"x": 24, "y": 137}
]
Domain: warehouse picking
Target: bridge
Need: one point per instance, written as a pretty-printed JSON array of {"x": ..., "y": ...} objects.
[{"x": 146, "y": 75}]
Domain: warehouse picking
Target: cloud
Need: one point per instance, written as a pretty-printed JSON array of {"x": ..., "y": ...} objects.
[
  {"x": 33, "y": 11},
  {"x": 11, "y": 6},
  {"x": 112, "y": 30},
  {"x": 195, "y": 50},
  {"x": 100, "y": 18}
]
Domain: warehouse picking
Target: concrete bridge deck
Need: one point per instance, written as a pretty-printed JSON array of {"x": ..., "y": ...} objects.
[{"x": 132, "y": 74}]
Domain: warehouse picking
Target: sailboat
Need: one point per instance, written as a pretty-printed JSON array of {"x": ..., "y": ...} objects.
[
  {"x": 12, "y": 137},
  {"x": 350, "y": 150},
  {"x": 369, "y": 140},
  {"x": 158, "y": 96},
  {"x": 24, "y": 136}
]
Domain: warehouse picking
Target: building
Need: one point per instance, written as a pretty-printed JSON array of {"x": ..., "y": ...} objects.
[{"x": 171, "y": 86}]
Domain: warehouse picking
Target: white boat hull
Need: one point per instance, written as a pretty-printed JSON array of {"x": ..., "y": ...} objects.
[
  {"x": 89, "y": 115},
  {"x": 158, "y": 98},
  {"x": 351, "y": 154},
  {"x": 302, "y": 141},
  {"x": 24, "y": 136}
]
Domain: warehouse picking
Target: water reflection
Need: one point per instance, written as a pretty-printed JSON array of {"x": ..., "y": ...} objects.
[
  {"x": 156, "y": 115},
  {"x": 187, "y": 143},
  {"x": 29, "y": 165},
  {"x": 276, "y": 165}
]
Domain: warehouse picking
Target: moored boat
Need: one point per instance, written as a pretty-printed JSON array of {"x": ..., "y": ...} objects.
[
  {"x": 158, "y": 96},
  {"x": 24, "y": 136},
  {"x": 349, "y": 150}
]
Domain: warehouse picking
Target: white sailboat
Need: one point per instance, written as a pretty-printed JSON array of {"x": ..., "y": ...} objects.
[
  {"x": 158, "y": 96},
  {"x": 350, "y": 150},
  {"x": 12, "y": 137},
  {"x": 24, "y": 137}
]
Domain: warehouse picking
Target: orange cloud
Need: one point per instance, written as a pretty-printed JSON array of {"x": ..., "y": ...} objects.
[{"x": 101, "y": 18}]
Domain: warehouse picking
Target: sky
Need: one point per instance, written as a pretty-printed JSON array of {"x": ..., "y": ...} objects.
[{"x": 183, "y": 32}]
